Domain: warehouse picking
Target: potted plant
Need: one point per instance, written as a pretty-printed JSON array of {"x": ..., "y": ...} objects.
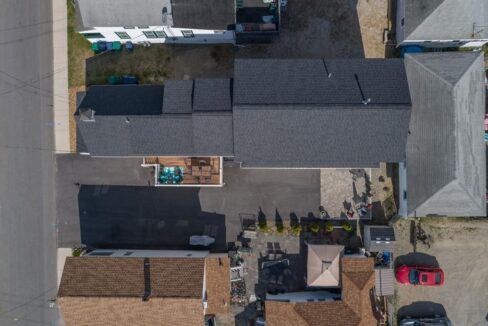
[
  {"x": 347, "y": 226},
  {"x": 329, "y": 227},
  {"x": 263, "y": 226},
  {"x": 296, "y": 229},
  {"x": 315, "y": 228},
  {"x": 280, "y": 229}
]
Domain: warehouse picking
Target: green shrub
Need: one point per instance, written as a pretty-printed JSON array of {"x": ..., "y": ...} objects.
[
  {"x": 315, "y": 227},
  {"x": 329, "y": 227},
  {"x": 263, "y": 226},
  {"x": 77, "y": 251},
  {"x": 280, "y": 229},
  {"x": 296, "y": 229},
  {"x": 346, "y": 226}
]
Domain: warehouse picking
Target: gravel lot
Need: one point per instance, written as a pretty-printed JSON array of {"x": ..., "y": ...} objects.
[
  {"x": 327, "y": 28},
  {"x": 460, "y": 248}
]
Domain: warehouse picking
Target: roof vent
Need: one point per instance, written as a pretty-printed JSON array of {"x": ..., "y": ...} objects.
[
  {"x": 365, "y": 100},
  {"x": 87, "y": 115},
  {"x": 329, "y": 74},
  {"x": 127, "y": 120},
  {"x": 147, "y": 280}
]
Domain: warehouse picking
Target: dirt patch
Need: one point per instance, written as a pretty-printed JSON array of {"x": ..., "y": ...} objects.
[
  {"x": 459, "y": 246},
  {"x": 158, "y": 62},
  {"x": 330, "y": 29}
]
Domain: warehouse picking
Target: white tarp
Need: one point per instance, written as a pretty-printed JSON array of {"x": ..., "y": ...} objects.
[
  {"x": 323, "y": 265},
  {"x": 201, "y": 240}
]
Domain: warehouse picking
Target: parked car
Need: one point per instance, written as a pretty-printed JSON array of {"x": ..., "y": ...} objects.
[
  {"x": 425, "y": 321},
  {"x": 419, "y": 275}
]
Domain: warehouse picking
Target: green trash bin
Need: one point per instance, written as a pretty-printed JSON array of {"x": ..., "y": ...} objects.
[
  {"x": 116, "y": 46},
  {"x": 114, "y": 80},
  {"x": 95, "y": 47}
]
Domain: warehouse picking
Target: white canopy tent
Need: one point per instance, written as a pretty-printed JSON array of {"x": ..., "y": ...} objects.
[{"x": 323, "y": 265}]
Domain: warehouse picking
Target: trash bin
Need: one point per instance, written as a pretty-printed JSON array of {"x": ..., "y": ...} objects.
[
  {"x": 129, "y": 46},
  {"x": 114, "y": 80},
  {"x": 116, "y": 46}
]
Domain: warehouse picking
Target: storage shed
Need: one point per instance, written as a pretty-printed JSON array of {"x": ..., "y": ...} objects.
[{"x": 379, "y": 238}]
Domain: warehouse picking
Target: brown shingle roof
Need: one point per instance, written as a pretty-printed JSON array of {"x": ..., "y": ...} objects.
[
  {"x": 108, "y": 291},
  {"x": 124, "y": 277},
  {"x": 90, "y": 311},
  {"x": 355, "y": 309},
  {"x": 218, "y": 285}
]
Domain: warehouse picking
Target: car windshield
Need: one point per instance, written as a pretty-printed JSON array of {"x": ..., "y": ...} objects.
[
  {"x": 438, "y": 278},
  {"x": 413, "y": 276}
]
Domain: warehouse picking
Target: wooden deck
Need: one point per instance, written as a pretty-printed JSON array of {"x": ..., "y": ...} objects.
[{"x": 196, "y": 170}]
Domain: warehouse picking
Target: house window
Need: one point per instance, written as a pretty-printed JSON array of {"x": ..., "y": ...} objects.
[
  {"x": 403, "y": 21},
  {"x": 160, "y": 34},
  {"x": 187, "y": 33},
  {"x": 155, "y": 34},
  {"x": 93, "y": 35},
  {"x": 123, "y": 35}
]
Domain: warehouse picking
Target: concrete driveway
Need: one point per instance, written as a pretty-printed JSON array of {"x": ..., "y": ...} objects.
[{"x": 459, "y": 247}]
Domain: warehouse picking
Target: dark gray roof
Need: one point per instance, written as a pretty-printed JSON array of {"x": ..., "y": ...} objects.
[
  {"x": 124, "y": 99},
  {"x": 212, "y": 95},
  {"x": 203, "y": 14},
  {"x": 379, "y": 238},
  {"x": 381, "y": 233},
  {"x": 446, "y": 164},
  {"x": 271, "y": 136},
  {"x": 178, "y": 96},
  {"x": 212, "y": 133},
  {"x": 306, "y": 81},
  {"x": 289, "y": 113},
  {"x": 130, "y": 13},
  {"x": 445, "y": 19},
  {"x": 180, "y": 132}
]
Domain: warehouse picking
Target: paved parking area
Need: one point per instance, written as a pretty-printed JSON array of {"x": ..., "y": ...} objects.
[
  {"x": 108, "y": 200},
  {"x": 459, "y": 247}
]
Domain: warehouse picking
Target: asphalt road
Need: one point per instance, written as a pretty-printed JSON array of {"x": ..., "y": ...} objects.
[{"x": 27, "y": 214}]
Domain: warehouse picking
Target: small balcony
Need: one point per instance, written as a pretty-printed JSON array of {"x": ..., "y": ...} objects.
[{"x": 185, "y": 171}]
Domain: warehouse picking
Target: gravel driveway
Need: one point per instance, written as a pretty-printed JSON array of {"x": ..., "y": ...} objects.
[{"x": 460, "y": 248}]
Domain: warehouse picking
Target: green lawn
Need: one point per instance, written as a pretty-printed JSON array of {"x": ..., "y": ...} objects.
[{"x": 78, "y": 50}]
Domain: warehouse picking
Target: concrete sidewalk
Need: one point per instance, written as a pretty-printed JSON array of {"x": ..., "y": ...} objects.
[{"x": 60, "y": 77}]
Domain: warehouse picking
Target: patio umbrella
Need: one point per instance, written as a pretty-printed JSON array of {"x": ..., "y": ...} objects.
[{"x": 323, "y": 265}]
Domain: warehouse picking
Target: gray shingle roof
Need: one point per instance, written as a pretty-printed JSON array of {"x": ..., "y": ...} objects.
[
  {"x": 445, "y": 19},
  {"x": 271, "y": 136},
  {"x": 208, "y": 14},
  {"x": 446, "y": 164},
  {"x": 113, "y": 13},
  {"x": 155, "y": 133},
  {"x": 289, "y": 113},
  {"x": 123, "y": 99},
  {"x": 306, "y": 81},
  {"x": 212, "y": 95},
  {"x": 178, "y": 96}
]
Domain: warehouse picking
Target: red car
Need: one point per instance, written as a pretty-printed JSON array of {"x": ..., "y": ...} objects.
[{"x": 419, "y": 275}]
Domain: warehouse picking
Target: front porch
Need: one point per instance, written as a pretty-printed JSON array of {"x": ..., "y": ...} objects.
[{"x": 186, "y": 171}]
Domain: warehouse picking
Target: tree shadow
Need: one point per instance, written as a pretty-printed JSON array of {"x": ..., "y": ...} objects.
[
  {"x": 420, "y": 309},
  {"x": 261, "y": 217},
  {"x": 294, "y": 220},
  {"x": 122, "y": 217},
  {"x": 278, "y": 219},
  {"x": 417, "y": 259}
]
